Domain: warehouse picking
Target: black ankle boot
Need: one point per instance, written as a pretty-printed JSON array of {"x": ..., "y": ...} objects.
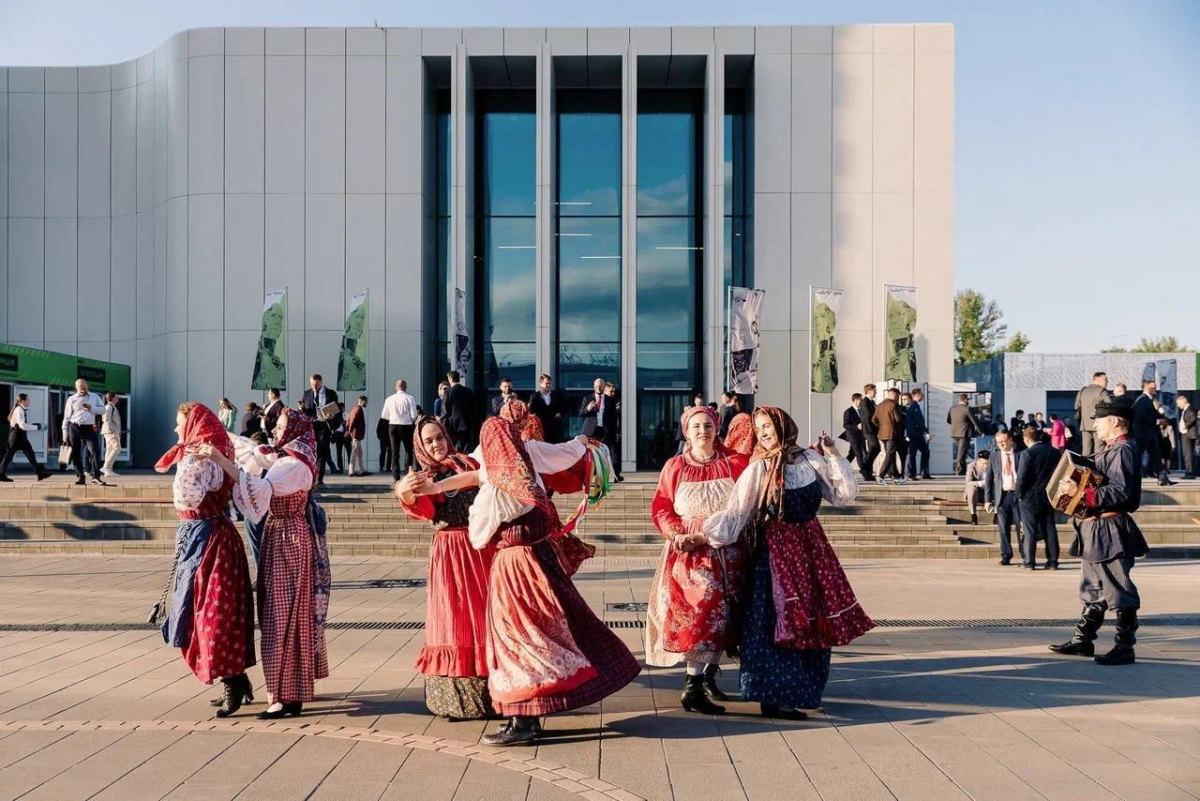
[
  {"x": 517, "y": 730},
  {"x": 1081, "y": 642},
  {"x": 247, "y": 692},
  {"x": 1122, "y": 652},
  {"x": 237, "y": 691},
  {"x": 694, "y": 698},
  {"x": 779, "y": 713},
  {"x": 710, "y": 684}
]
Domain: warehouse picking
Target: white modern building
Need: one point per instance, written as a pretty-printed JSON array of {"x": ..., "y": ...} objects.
[{"x": 594, "y": 191}]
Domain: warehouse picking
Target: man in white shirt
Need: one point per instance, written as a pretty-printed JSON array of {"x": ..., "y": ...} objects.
[
  {"x": 400, "y": 410},
  {"x": 18, "y": 440},
  {"x": 79, "y": 430},
  {"x": 1000, "y": 491},
  {"x": 110, "y": 429}
]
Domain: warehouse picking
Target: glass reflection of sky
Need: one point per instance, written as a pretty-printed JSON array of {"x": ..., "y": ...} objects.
[
  {"x": 666, "y": 279},
  {"x": 510, "y": 177},
  {"x": 511, "y": 257},
  {"x": 589, "y": 280},
  {"x": 666, "y": 172}
]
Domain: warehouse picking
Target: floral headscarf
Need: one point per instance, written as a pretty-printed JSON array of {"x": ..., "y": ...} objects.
[
  {"x": 298, "y": 440},
  {"x": 202, "y": 427},
  {"x": 770, "y": 499},
  {"x": 455, "y": 460},
  {"x": 740, "y": 438},
  {"x": 691, "y": 412},
  {"x": 517, "y": 413},
  {"x": 508, "y": 465}
]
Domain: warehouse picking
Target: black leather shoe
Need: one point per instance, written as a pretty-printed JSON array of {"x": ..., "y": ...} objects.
[
  {"x": 1119, "y": 655},
  {"x": 517, "y": 730},
  {"x": 238, "y": 690},
  {"x": 42, "y": 476},
  {"x": 772, "y": 711},
  {"x": 6, "y": 479},
  {"x": 694, "y": 699},
  {"x": 1006, "y": 561},
  {"x": 1029, "y": 566},
  {"x": 1052, "y": 565},
  {"x": 293, "y": 708},
  {"x": 710, "y": 684},
  {"x": 1074, "y": 648},
  {"x": 1083, "y": 639},
  {"x": 974, "y": 520},
  {"x": 80, "y": 483}
]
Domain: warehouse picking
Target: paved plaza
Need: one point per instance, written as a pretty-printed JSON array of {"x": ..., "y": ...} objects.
[{"x": 953, "y": 696}]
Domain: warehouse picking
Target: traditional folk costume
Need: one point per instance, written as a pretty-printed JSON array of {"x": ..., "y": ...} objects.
[
  {"x": 1107, "y": 542},
  {"x": 801, "y": 604},
  {"x": 691, "y": 614},
  {"x": 740, "y": 437},
  {"x": 294, "y": 573},
  {"x": 454, "y": 657},
  {"x": 517, "y": 413},
  {"x": 547, "y": 650},
  {"x": 208, "y": 600}
]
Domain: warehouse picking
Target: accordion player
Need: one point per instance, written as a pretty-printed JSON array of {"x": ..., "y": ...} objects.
[{"x": 1084, "y": 473}]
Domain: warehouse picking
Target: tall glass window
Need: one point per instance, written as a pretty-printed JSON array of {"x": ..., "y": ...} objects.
[
  {"x": 444, "y": 282},
  {"x": 738, "y": 203},
  {"x": 669, "y": 248},
  {"x": 588, "y": 234},
  {"x": 506, "y": 238}
]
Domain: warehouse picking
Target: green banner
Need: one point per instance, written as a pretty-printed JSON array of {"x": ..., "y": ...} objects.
[
  {"x": 825, "y": 305},
  {"x": 47, "y": 368},
  {"x": 899, "y": 345},
  {"x": 352, "y": 362},
  {"x": 270, "y": 365}
]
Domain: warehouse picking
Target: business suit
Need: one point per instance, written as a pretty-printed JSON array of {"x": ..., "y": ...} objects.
[
  {"x": 1189, "y": 432},
  {"x": 1016, "y": 429},
  {"x": 1037, "y": 515},
  {"x": 917, "y": 431},
  {"x": 271, "y": 417},
  {"x": 1005, "y": 501},
  {"x": 963, "y": 426},
  {"x": 604, "y": 415},
  {"x": 867, "y": 413},
  {"x": 458, "y": 408},
  {"x": 1145, "y": 433},
  {"x": 1085, "y": 409},
  {"x": 889, "y": 428},
  {"x": 310, "y": 404},
  {"x": 552, "y": 412},
  {"x": 852, "y": 433}
]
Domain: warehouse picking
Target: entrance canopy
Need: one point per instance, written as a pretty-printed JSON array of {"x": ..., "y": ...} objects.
[{"x": 44, "y": 367}]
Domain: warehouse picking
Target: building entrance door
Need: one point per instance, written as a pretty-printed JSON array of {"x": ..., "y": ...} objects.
[{"x": 658, "y": 422}]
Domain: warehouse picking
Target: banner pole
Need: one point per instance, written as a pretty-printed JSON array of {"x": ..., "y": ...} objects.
[
  {"x": 728, "y": 378},
  {"x": 810, "y": 362}
]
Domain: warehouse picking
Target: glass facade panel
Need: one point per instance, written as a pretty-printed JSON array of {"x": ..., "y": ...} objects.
[
  {"x": 510, "y": 259},
  {"x": 668, "y": 165},
  {"x": 589, "y": 279},
  {"x": 589, "y": 152},
  {"x": 443, "y": 299},
  {"x": 668, "y": 276},
  {"x": 513, "y": 360},
  {"x": 738, "y": 223},
  {"x": 509, "y": 149}
]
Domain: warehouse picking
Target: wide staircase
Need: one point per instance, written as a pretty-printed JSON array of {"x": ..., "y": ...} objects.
[{"x": 922, "y": 520}]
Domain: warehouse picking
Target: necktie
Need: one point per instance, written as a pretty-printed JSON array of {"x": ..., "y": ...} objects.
[
  {"x": 1008, "y": 469},
  {"x": 600, "y": 407}
]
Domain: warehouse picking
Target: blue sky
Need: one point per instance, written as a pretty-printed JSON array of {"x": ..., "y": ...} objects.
[{"x": 1077, "y": 132}]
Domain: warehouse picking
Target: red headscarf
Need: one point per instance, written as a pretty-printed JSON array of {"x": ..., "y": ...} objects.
[
  {"x": 201, "y": 427},
  {"x": 517, "y": 413},
  {"x": 455, "y": 460},
  {"x": 508, "y": 465},
  {"x": 740, "y": 438},
  {"x": 691, "y": 412},
  {"x": 298, "y": 440},
  {"x": 786, "y": 434}
]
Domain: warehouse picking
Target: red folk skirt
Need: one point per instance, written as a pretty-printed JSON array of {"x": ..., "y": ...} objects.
[
  {"x": 222, "y": 640},
  {"x": 692, "y": 613},
  {"x": 456, "y": 609}
]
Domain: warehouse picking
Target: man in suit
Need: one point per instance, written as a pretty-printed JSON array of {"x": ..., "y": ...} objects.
[
  {"x": 270, "y": 414},
  {"x": 902, "y": 437},
  {"x": 501, "y": 400},
  {"x": 917, "y": 431},
  {"x": 1085, "y": 408},
  {"x": 1121, "y": 396},
  {"x": 852, "y": 433},
  {"x": 889, "y": 427},
  {"x": 316, "y": 397},
  {"x": 612, "y": 436},
  {"x": 867, "y": 413},
  {"x": 963, "y": 426},
  {"x": 1000, "y": 491},
  {"x": 549, "y": 406},
  {"x": 458, "y": 410},
  {"x": 1016, "y": 427},
  {"x": 598, "y": 411},
  {"x": 1146, "y": 435},
  {"x": 1189, "y": 432},
  {"x": 1037, "y": 515}
]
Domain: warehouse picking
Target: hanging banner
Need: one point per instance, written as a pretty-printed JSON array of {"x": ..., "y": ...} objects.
[
  {"x": 745, "y": 306},
  {"x": 462, "y": 338},
  {"x": 825, "y": 304},
  {"x": 899, "y": 344},
  {"x": 352, "y": 362},
  {"x": 270, "y": 365}
]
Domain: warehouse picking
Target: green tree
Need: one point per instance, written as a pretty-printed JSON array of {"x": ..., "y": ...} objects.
[
  {"x": 1167, "y": 344},
  {"x": 979, "y": 329}
]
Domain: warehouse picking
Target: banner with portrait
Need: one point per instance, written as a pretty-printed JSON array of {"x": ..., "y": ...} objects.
[
  {"x": 745, "y": 306},
  {"x": 825, "y": 304},
  {"x": 270, "y": 365},
  {"x": 352, "y": 361},
  {"x": 899, "y": 327},
  {"x": 462, "y": 336}
]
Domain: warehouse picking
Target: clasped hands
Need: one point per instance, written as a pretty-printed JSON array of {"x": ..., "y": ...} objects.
[
  {"x": 684, "y": 542},
  {"x": 416, "y": 482}
]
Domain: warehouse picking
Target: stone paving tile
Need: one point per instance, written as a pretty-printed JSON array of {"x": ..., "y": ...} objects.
[
  {"x": 427, "y": 776},
  {"x": 50, "y": 761},
  {"x": 158, "y": 776},
  {"x": 299, "y": 771},
  {"x": 363, "y": 773}
]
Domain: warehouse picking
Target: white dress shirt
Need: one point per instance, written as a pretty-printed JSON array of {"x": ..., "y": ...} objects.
[
  {"x": 17, "y": 420},
  {"x": 400, "y": 409},
  {"x": 73, "y": 411}
]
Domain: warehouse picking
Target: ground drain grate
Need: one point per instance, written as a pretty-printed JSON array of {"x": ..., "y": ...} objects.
[
  {"x": 409, "y": 625},
  {"x": 379, "y": 584}
]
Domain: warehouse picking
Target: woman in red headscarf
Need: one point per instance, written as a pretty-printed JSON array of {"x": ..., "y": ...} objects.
[
  {"x": 517, "y": 413},
  {"x": 208, "y": 601},
  {"x": 454, "y": 657},
  {"x": 689, "y": 617},
  {"x": 801, "y": 604},
  {"x": 740, "y": 437},
  {"x": 547, "y": 650},
  {"x": 293, "y": 575}
]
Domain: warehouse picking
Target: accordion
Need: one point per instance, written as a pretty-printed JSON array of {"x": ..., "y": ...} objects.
[{"x": 1083, "y": 472}]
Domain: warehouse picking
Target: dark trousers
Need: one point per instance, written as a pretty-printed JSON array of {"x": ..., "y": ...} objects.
[
  {"x": 918, "y": 446},
  {"x": 80, "y": 437},
  {"x": 901, "y": 454},
  {"x": 1039, "y": 525},
  {"x": 254, "y": 532},
  {"x": 872, "y": 449},
  {"x": 614, "y": 451},
  {"x": 324, "y": 457},
  {"x": 1007, "y": 515},
  {"x": 18, "y": 442},
  {"x": 858, "y": 452},
  {"x": 1187, "y": 446},
  {"x": 340, "y": 444},
  {"x": 1152, "y": 463},
  {"x": 1088, "y": 442},
  {"x": 401, "y": 436},
  {"x": 960, "y": 455},
  {"x": 385, "y": 446},
  {"x": 888, "y": 469}
]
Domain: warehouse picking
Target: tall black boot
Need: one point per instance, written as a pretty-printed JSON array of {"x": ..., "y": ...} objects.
[
  {"x": 517, "y": 730},
  {"x": 695, "y": 700},
  {"x": 1122, "y": 652},
  {"x": 1081, "y": 642},
  {"x": 710, "y": 684}
]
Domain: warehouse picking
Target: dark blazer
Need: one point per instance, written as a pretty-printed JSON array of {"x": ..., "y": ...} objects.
[
  {"x": 994, "y": 483},
  {"x": 868, "y": 415},
  {"x": 914, "y": 422},
  {"x": 458, "y": 409},
  {"x": 1085, "y": 404},
  {"x": 1035, "y": 467},
  {"x": 850, "y": 425},
  {"x": 887, "y": 420},
  {"x": 727, "y": 416},
  {"x": 1145, "y": 417},
  {"x": 308, "y": 404},
  {"x": 271, "y": 417},
  {"x": 591, "y": 417},
  {"x": 546, "y": 412},
  {"x": 962, "y": 422},
  {"x": 1191, "y": 432}
]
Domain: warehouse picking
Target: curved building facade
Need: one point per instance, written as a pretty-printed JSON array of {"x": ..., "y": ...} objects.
[{"x": 593, "y": 191}]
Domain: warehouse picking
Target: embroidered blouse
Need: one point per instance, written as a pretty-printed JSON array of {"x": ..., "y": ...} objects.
[
  {"x": 286, "y": 476},
  {"x": 838, "y": 487},
  {"x": 194, "y": 479}
]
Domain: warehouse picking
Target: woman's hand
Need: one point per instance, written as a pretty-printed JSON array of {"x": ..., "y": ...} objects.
[
  {"x": 408, "y": 485},
  {"x": 827, "y": 446},
  {"x": 685, "y": 543}
]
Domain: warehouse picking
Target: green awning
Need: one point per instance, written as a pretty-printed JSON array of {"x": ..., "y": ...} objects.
[{"x": 47, "y": 368}]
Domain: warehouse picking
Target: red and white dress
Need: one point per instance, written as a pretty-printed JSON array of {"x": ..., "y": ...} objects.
[
  {"x": 293, "y": 648},
  {"x": 691, "y": 616}
]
